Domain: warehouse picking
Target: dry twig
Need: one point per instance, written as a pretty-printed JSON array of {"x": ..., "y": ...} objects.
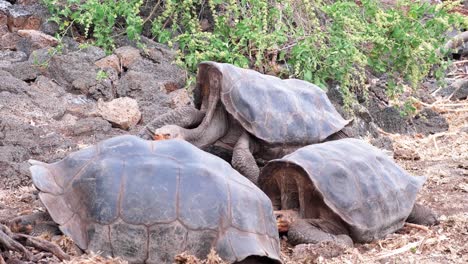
[{"x": 420, "y": 227}]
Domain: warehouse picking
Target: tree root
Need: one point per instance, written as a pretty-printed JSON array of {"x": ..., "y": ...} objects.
[{"x": 17, "y": 242}]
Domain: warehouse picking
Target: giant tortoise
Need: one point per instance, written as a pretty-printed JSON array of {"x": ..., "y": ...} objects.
[
  {"x": 344, "y": 190},
  {"x": 250, "y": 112},
  {"x": 146, "y": 201}
]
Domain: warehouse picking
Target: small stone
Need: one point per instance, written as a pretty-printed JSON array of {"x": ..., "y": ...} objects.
[
  {"x": 122, "y": 112},
  {"x": 81, "y": 106},
  {"x": 23, "y": 70},
  {"x": 50, "y": 28},
  {"x": 127, "y": 55},
  {"x": 179, "y": 98},
  {"x": 9, "y": 41},
  {"x": 38, "y": 39},
  {"x": 21, "y": 18},
  {"x": 12, "y": 56},
  {"x": 111, "y": 61},
  {"x": 88, "y": 126},
  {"x": 4, "y": 6}
]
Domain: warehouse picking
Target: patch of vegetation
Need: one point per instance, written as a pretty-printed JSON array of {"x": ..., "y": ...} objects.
[
  {"x": 320, "y": 41},
  {"x": 101, "y": 75},
  {"x": 99, "y": 18}
]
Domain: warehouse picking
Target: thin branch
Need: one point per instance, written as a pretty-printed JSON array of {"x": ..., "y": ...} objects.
[{"x": 152, "y": 12}]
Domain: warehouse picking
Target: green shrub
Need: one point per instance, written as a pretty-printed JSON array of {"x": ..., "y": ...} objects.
[
  {"x": 318, "y": 41},
  {"x": 101, "y": 17}
]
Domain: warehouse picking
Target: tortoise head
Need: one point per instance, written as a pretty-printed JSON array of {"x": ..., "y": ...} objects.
[
  {"x": 168, "y": 132},
  {"x": 284, "y": 219}
]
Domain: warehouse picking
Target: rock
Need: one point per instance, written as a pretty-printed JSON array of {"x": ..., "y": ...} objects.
[
  {"x": 179, "y": 98},
  {"x": 4, "y": 7},
  {"x": 24, "y": 17},
  {"x": 10, "y": 84},
  {"x": 38, "y": 40},
  {"x": 147, "y": 90},
  {"x": 5, "y": 74},
  {"x": 127, "y": 55},
  {"x": 49, "y": 87},
  {"x": 363, "y": 124},
  {"x": 12, "y": 56},
  {"x": 162, "y": 53},
  {"x": 424, "y": 93},
  {"x": 9, "y": 41},
  {"x": 76, "y": 71},
  {"x": 458, "y": 90},
  {"x": 81, "y": 106},
  {"x": 29, "y": 141},
  {"x": 168, "y": 74},
  {"x": 50, "y": 28},
  {"x": 382, "y": 142},
  {"x": 429, "y": 121},
  {"x": 88, "y": 126},
  {"x": 111, "y": 61},
  {"x": 40, "y": 57},
  {"x": 24, "y": 70},
  {"x": 122, "y": 112}
]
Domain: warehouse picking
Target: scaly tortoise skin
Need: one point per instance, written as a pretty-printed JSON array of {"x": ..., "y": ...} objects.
[
  {"x": 147, "y": 201},
  {"x": 349, "y": 183}
]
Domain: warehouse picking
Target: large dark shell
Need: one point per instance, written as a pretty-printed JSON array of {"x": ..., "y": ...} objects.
[
  {"x": 146, "y": 201},
  {"x": 357, "y": 181},
  {"x": 289, "y": 112}
]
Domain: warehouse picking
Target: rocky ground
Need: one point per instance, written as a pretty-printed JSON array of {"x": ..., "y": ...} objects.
[{"x": 57, "y": 97}]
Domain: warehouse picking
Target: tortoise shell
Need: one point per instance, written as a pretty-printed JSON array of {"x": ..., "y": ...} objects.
[
  {"x": 147, "y": 201},
  {"x": 280, "y": 112},
  {"x": 358, "y": 182}
]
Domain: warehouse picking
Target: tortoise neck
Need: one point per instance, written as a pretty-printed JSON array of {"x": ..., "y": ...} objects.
[{"x": 213, "y": 127}]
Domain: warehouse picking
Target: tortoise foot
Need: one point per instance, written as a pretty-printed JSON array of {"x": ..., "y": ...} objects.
[
  {"x": 34, "y": 224},
  {"x": 422, "y": 215},
  {"x": 313, "y": 231}
]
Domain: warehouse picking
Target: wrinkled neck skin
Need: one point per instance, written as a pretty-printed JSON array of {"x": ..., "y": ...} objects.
[
  {"x": 212, "y": 128},
  {"x": 215, "y": 123}
]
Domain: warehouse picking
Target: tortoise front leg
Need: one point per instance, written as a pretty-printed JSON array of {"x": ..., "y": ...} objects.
[
  {"x": 243, "y": 160},
  {"x": 185, "y": 117},
  {"x": 422, "y": 215},
  {"x": 34, "y": 224},
  {"x": 313, "y": 231}
]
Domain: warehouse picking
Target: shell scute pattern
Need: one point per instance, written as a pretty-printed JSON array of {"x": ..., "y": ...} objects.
[
  {"x": 129, "y": 194},
  {"x": 363, "y": 186},
  {"x": 261, "y": 102}
]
